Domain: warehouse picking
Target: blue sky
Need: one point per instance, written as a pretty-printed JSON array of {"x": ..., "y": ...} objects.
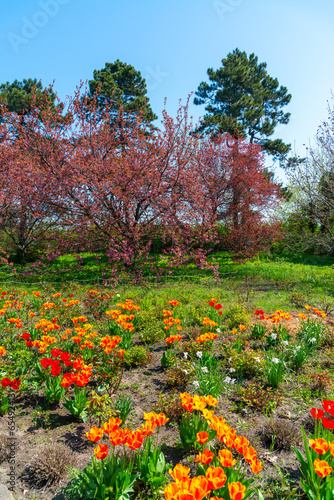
[{"x": 173, "y": 43}]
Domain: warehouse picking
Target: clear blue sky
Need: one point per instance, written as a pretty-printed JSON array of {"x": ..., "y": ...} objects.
[{"x": 173, "y": 43}]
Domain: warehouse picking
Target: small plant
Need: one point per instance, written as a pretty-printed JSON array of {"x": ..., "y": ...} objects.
[
  {"x": 78, "y": 406},
  {"x": 137, "y": 356},
  {"x": 312, "y": 332},
  {"x": 280, "y": 434},
  {"x": 323, "y": 381},
  {"x": 100, "y": 407},
  {"x": 258, "y": 331},
  {"x": 248, "y": 363},
  {"x": 275, "y": 370},
  {"x": 209, "y": 381},
  {"x": 123, "y": 407},
  {"x": 255, "y": 396},
  {"x": 297, "y": 356},
  {"x": 297, "y": 299},
  {"x": 170, "y": 405},
  {"x": 177, "y": 377},
  {"x": 49, "y": 465}
]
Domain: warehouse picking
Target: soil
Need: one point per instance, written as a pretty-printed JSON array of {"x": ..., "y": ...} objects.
[{"x": 37, "y": 424}]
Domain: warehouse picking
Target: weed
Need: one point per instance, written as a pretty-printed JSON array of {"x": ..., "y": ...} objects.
[
  {"x": 259, "y": 398},
  {"x": 137, "y": 356},
  {"x": 280, "y": 434},
  {"x": 49, "y": 465},
  {"x": 170, "y": 405}
]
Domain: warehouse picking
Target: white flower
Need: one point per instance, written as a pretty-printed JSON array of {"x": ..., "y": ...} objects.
[
  {"x": 285, "y": 342},
  {"x": 275, "y": 360},
  {"x": 185, "y": 371},
  {"x": 313, "y": 340},
  {"x": 218, "y": 330},
  {"x": 196, "y": 383},
  {"x": 199, "y": 354},
  {"x": 204, "y": 369},
  {"x": 273, "y": 336},
  {"x": 185, "y": 354},
  {"x": 232, "y": 370},
  {"x": 230, "y": 359},
  {"x": 298, "y": 347},
  {"x": 117, "y": 295},
  {"x": 229, "y": 380},
  {"x": 258, "y": 360}
]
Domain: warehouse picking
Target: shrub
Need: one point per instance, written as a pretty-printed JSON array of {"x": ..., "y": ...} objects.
[
  {"x": 137, "y": 356},
  {"x": 177, "y": 376},
  {"x": 170, "y": 405},
  {"x": 259, "y": 398},
  {"x": 235, "y": 315},
  {"x": 280, "y": 434},
  {"x": 49, "y": 465}
]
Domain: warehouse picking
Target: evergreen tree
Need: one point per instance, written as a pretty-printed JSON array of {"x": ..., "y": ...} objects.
[
  {"x": 245, "y": 101},
  {"x": 124, "y": 86}
]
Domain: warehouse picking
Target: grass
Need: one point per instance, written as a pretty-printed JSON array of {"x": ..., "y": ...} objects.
[{"x": 268, "y": 282}]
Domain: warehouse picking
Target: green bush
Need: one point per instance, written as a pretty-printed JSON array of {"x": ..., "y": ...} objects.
[{"x": 137, "y": 356}]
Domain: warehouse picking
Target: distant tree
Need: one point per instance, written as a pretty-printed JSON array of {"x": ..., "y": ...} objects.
[
  {"x": 243, "y": 100},
  {"x": 22, "y": 97},
  {"x": 122, "y": 85},
  {"x": 312, "y": 184}
]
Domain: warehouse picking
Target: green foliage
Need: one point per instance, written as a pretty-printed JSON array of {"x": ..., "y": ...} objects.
[
  {"x": 19, "y": 95},
  {"x": 311, "y": 333},
  {"x": 247, "y": 363},
  {"x": 151, "y": 466},
  {"x": 123, "y": 85},
  {"x": 123, "y": 407},
  {"x": 189, "y": 426},
  {"x": 258, "y": 331},
  {"x": 258, "y": 398},
  {"x": 234, "y": 315},
  {"x": 78, "y": 406},
  {"x": 137, "y": 356},
  {"x": 244, "y": 100},
  {"x": 54, "y": 391},
  {"x": 100, "y": 407},
  {"x": 275, "y": 369},
  {"x": 111, "y": 478}
]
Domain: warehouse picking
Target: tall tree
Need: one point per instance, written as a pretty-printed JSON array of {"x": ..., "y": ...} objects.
[
  {"x": 243, "y": 100},
  {"x": 21, "y": 97},
  {"x": 122, "y": 85}
]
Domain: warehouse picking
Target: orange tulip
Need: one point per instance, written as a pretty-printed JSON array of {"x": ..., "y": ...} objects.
[
  {"x": 95, "y": 434},
  {"x": 319, "y": 445},
  {"x": 112, "y": 425},
  {"x": 134, "y": 440},
  {"x": 250, "y": 454},
  {"x": 236, "y": 491},
  {"x": 241, "y": 444},
  {"x": 256, "y": 466},
  {"x": 322, "y": 468},
  {"x": 101, "y": 451},
  {"x": 216, "y": 477},
  {"x": 119, "y": 436},
  {"x": 211, "y": 401},
  {"x": 202, "y": 437},
  {"x": 225, "y": 458},
  {"x": 180, "y": 473},
  {"x": 205, "y": 458},
  {"x": 199, "y": 487}
]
